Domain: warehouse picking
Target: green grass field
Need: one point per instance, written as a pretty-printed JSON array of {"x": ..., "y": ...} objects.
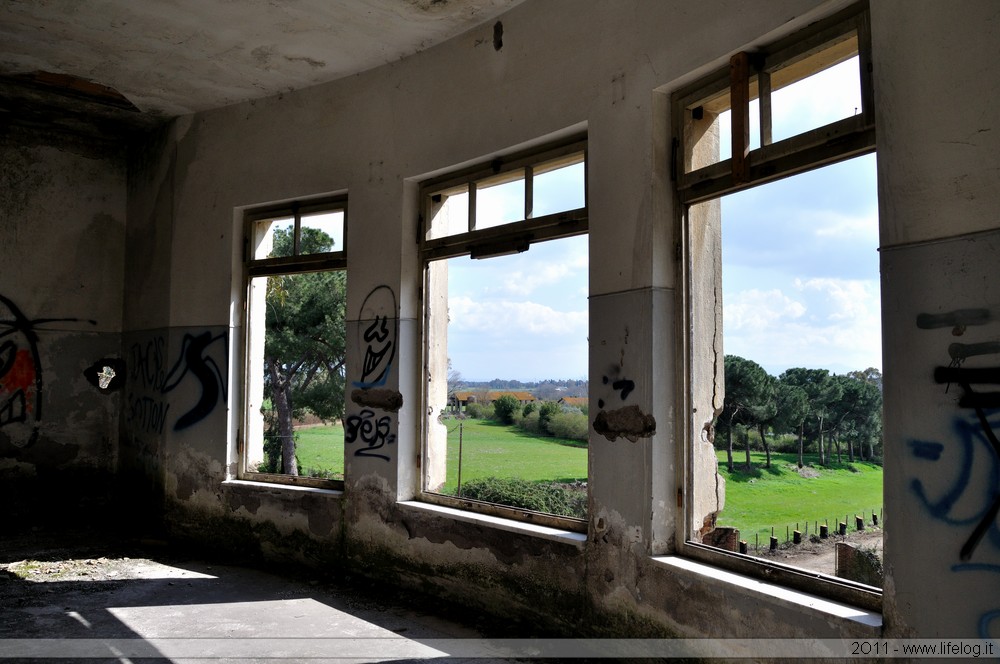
[
  {"x": 755, "y": 502},
  {"x": 780, "y": 496},
  {"x": 490, "y": 449},
  {"x": 321, "y": 449}
]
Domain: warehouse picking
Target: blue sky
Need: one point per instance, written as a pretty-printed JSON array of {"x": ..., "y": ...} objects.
[{"x": 800, "y": 267}]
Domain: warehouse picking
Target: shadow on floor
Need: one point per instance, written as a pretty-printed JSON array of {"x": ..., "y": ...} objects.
[{"x": 68, "y": 596}]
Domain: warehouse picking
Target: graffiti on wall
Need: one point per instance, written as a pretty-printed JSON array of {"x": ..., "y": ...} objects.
[
  {"x": 378, "y": 337},
  {"x": 376, "y": 345},
  {"x": 617, "y": 420},
  {"x": 373, "y": 431},
  {"x": 153, "y": 376},
  {"x": 146, "y": 410},
  {"x": 969, "y": 503},
  {"x": 195, "y": 360},
  {"x": 21, "y": 372}
]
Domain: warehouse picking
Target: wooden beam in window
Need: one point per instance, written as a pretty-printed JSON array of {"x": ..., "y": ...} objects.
[
  {"x": 764, "y": 101},
  {"x": 739, "y": 94},
  {"x": 297, "y": 230},
  {"x": 865, "y": 69},
  {"x": 529, "y": 191},
  {"x": 472, "y": 206}
]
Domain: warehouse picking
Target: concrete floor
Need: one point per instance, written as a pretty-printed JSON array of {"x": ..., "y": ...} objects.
[{"x": 89, "y": 597}]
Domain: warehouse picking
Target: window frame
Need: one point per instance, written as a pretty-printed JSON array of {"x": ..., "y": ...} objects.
[
  {"x": 837, "y": 141},
  {"x": 822, "y": 146},
  {"x": 284, "y": 265},
  {"x": 507, "y": 238}
]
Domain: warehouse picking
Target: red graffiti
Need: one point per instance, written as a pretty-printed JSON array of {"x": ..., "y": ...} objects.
[
  {"x": 18, "y": 381},
  {"x": 22, "y": 373}
]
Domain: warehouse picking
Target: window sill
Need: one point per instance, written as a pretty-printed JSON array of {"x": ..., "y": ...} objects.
[
  {"x": 868, "y": 620},
  {"x": 274, "y": 486},
  {"x": 570, "y": 537}
]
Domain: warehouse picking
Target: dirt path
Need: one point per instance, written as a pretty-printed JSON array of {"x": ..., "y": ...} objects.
[{"x": 820, "y": 555}]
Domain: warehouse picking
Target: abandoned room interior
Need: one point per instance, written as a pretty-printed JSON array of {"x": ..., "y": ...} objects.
[{"x": 165, "y": 166}]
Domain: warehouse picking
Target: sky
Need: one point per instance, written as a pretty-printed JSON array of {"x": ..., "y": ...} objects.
[{"x": 800, "y": 266}]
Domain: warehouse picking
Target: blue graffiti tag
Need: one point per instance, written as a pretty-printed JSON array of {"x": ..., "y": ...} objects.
[{"x": 975, "y": 431}]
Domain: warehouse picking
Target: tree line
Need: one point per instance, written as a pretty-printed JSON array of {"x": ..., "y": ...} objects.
[{"x": 821, "y": 409}]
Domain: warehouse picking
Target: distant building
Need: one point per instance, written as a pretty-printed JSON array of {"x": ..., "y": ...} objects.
[
  {"x": 460, "y": 400},
  {"x": 575, "y": 402}
]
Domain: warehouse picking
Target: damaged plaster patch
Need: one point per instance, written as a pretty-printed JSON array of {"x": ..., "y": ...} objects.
[
  {"x": 628, "y": 422},
  {"x": 378, "y": 397},
  {"x": 107, "y": 374},
  {"x": 312, "y": 62}
]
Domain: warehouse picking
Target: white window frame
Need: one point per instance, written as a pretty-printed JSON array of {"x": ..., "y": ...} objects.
[
  {"x": 263, "y": 267},
  {"x": 514, "y": 237},
  {"x": 753, "y": 74}
]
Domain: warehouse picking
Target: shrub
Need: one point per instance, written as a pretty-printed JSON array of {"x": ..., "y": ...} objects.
[
  {"x": 528, "y": 409},
  {"x": 530, "y": 423},
  {"x": 569, "y": 425},
  {"x": 548, "y": 497},
  {"x": 546, "y": 412},
  {"x": 505, "y": 407},
  {"x": 475, "y": 410}
]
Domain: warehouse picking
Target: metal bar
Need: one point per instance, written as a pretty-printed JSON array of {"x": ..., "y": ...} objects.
[{"x": 459, "y": 460}]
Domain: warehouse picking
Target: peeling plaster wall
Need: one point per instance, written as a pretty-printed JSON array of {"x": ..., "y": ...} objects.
[
  {"x": 604, "y": 68},
  {"x": 62, "y": 215}
]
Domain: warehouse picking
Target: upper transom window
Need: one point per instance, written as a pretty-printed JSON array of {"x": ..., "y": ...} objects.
[{"x": 766, "y": 137}]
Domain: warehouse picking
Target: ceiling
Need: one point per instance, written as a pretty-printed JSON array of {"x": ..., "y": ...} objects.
[{"x": 146, "y": 59}]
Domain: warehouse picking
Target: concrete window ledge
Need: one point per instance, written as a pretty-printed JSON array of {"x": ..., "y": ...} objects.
[
  {"x": 855, "y": 618},
  {"x": 519, "y": 527},
  {"x": 281, "y": 488}
]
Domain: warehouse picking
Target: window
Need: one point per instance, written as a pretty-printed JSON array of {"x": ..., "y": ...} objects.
[
  {"x": 742, "y": 138},
  {"x": 296, "y": 290},
  {"x": 505, "y": 257}
]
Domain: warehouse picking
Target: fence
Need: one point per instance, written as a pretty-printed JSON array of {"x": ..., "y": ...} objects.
[{"x": 729, "y": 538}]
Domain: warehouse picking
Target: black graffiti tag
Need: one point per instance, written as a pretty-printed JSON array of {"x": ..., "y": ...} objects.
[
  {"x": 378, "y": 338},
  {"x": 193, "y": 358},
  {"x": 374, "y": 433}
]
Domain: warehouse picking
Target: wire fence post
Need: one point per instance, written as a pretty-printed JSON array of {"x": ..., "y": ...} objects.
[{"x": 459, "y": 459}]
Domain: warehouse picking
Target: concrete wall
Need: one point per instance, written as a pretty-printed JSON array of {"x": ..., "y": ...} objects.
[
  {"x": 939, "y": 206},
  {"x": 62, "y": 215},
  {"x": 564, "y": 66}
]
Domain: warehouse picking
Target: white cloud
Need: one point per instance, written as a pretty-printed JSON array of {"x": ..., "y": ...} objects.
[
  {"x": 756, "y": 310},
  {"x": 835, "y": 225},
  {"x": 830, "y": 323},
  {"x": 509, "y": 319},
  {"x": 526, "y": 282},
  {"x": 845, "y": 299}
]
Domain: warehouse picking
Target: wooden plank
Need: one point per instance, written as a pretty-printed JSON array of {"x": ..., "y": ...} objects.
[
  {"x": 764, "y": 84},
  {"x": 739, "y": 92}
]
